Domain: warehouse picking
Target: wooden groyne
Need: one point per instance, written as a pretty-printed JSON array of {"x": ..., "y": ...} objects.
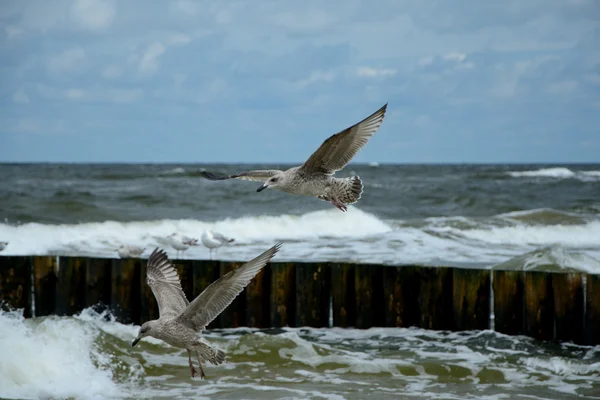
[{"x": 543, "y": 305}]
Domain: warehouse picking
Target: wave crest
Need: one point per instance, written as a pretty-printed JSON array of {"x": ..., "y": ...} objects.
[{"x": 557, "y": 173}]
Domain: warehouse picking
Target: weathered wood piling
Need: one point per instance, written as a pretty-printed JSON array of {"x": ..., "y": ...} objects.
[{"x": 543, "y": 305}]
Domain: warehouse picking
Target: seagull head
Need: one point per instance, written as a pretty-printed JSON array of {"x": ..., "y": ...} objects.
[
  {"x": 274, "y": 181},
  {"x": 145, "y": 330}
]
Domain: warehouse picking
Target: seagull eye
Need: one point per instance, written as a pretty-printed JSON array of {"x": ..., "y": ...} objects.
[{"x": 274, "y": 179}]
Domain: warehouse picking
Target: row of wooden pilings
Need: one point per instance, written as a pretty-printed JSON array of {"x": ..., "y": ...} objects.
[{"x": 543, "y": 305}]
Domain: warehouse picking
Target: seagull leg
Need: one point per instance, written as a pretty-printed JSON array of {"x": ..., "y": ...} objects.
[
  {"x": 192, "y": 369},
  {"x": 202, "y": 376},
  {"x": 338, "y": 204}
]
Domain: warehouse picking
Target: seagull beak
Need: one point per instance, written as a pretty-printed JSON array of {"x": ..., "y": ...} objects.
[
  {"x": 137, "y": 339},
  {"x": 263, "y": 187}
]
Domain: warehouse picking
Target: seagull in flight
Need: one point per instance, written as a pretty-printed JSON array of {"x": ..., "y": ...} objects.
[
  {"x": 180, "y": 322},
  {"x": 315, "y": 177}
]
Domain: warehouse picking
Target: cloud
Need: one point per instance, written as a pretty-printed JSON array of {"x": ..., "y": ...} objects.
[
  {"x": 12, "y": 31},
  {"x": 187, "y": 7},
  {"x": 111, "y": 72},
  {"x": 457, "y": 57},
  {"x": 125, "y": 95},
  {"x": 375, "y": 72},
  {"x": 27, "y": 125},
  {"x": 93, "y": 15},
  {"x": 39, "y": 126},
  {"x": 148, "y": 62},
  {"x": 75, "y": 93},
  {"x": 20, "y": 97},
  {"x": 179, "y": 39},
  {"x": 461, "y": 71},
  {"x": 315, "y": 77},
  {"x": 68, "y": 60},
  {"x": 562, "y": 87}
]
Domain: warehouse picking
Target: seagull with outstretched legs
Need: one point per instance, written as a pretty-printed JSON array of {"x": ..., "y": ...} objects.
[
  {"x": 180, "y": 321},
  {"x": 214, "y": 240},
  {"x": 315, "y": 177}
]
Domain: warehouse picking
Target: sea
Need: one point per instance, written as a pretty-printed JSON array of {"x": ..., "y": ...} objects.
[{"x": 530, "y": 216}]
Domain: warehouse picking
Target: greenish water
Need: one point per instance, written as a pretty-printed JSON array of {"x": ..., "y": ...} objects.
[{"x": 90, "y": 356}]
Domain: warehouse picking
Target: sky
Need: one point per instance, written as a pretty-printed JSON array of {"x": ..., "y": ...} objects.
[{"x": 268, "y": 81}]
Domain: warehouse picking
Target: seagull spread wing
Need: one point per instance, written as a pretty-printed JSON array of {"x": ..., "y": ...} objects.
[
  {"x": 338, "y": 150},
  {"x": 219, "y": 294},
  {"x": 259, "y": 175},
  {"x": 162, "y": 278}
]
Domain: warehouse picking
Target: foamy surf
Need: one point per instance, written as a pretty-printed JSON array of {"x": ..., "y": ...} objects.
[
  {"x": 52, "y": 358},
  {"x": 557, "y": 173},
  {"x": 90, "y": 356},
  {"x": 328, "y": 235}
]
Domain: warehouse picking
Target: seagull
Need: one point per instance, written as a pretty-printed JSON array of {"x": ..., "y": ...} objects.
[
  {"x": 3, "y": 245},
  {"x": 129, "y": 251},
  {"x": 180, "y": 321},
  {"x": 315, "y": 177},
  {"x": 180, "y": 242},
  {"x": 214, "y": 240}
]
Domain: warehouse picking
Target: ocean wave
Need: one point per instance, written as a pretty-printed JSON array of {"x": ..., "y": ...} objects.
[
  {"x": 557, "y": 173},
  {"x": 328, "y": 235},
  {"x": 104, "y": 237},
  {"x": 552, "y": 259},
  {"x": 580, "y": 236},
  {"x": 90, "y": 356},
  {"x": 52, "y": 358}
]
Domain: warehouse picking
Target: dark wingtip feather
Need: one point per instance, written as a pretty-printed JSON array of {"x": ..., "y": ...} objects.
[
  {"x": 212, "y": 176},
  {"x": 157, "y": 255}
]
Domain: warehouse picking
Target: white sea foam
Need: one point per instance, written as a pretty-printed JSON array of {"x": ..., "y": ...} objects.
[
  {"x": 174, "y": 171},
  {"x": 90, "y": 356},
  {"x": 327, "y": 236},
  {"x": 55, "y": 358},
  {"x": 102, "y": 238},
  {"x": 557, "y": 173}
]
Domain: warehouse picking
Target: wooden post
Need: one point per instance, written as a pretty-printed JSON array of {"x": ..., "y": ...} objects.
[
  {"x": 204, "y": 273},
  {"x": 257, "y": 299},
  {"x": 312, "y": 294},
  {"x": 592, "y": 316},
  {"x": 368, "y": 283},
  {"x": 283, "y": 291},
  {"x": 44, "y": 283},
  {"x": 98, "y": 282},
  {"x": 509, "y": 302},
  {"x": 70, "y": 286},
  {"x": 185, "y": 270},
  {"x": 235, "y": 314},
  {"x": 539, "y": 305},
  {"x": 15, "y": 283},
  {"x": 401, "y": 293},
  {"x": 471, "y": 299},
  {"x": 343, "y": 295},
  {"x": 126, "y": 289},
  {"x": 435, "y": 298},
  {"x": 569, "y": 317}
]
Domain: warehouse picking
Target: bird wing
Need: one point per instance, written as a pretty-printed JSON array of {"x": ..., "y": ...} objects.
[
  {"x": 338, "y": 150},
  {"x": 259, "y": 175},
  {"x": 162, "y": 278},
  {"x": 220, "y": 237},
  {"x": 219, "y": 294}
]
